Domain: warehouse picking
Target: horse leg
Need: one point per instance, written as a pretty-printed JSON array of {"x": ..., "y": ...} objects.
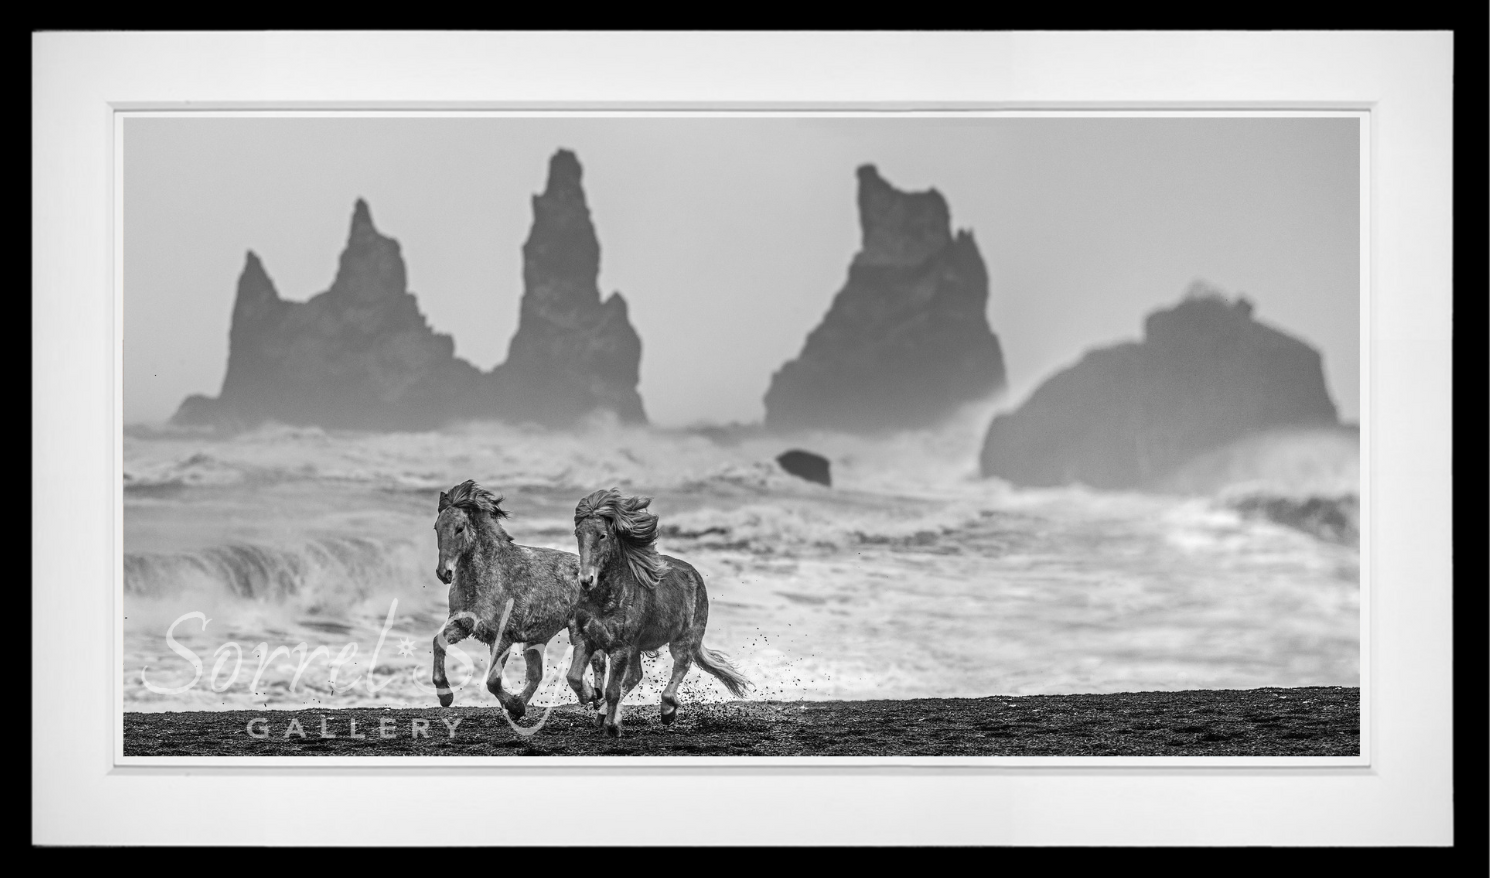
[
  {"x": 533, "y": 658},
  {"x": 633, "y": 673},
  {"x": 682, "y": 661},
  {"x": 582, "y": 657},
  {"x": 500, "y": 650},
  {"x": 453, "y": 632},
  {"x": 620, "y": 662},
  {"x": 588, "y": 695},
  {"x": 597, "y": 664}
]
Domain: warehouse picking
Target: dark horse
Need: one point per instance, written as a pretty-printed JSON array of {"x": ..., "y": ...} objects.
[
  {"x": 636, "y": 601},
  {"x": 491, "y": 579}
]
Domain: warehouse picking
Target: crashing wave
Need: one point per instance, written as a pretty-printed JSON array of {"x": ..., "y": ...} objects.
[
  {"x": 1322, "y": 461},
  {"x": 1335, "y": 519},
  {"x": 324, "y": 571},
  {"x": 789, "y": 528},
  {"x": 195, "y": 470},
  {"x": 1306, "y": 479}
]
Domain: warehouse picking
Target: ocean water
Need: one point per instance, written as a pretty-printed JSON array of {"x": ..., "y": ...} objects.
[{"x": 310, "y": 556}]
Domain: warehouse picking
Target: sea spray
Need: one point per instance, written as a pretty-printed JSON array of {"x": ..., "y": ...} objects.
[{"x": 980, "y": 588}]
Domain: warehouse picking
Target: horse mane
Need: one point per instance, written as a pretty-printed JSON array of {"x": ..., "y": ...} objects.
[
  {"x": 476, "y": 500},
  {"x": 635, "y": 530}
]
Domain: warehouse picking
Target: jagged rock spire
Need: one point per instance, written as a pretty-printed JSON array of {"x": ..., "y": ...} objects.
[
  {"x": 572, "y": 353},
  {"x": 359, "y": 355},
  {"x": 906, "y": 340}
]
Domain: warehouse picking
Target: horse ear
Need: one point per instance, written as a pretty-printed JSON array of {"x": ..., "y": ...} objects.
[{"x": 444, "y": 501}]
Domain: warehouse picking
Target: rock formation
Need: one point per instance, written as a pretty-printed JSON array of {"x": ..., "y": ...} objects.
[
  {"x": 906, "y": 340},
  {"x": 359, "y": 355},
  {"x": 362, "y": 356},
  {"x": 1206, "y": 374},
  {"x": 806, "y": 465},
  {"x": 572, "y": 353}
]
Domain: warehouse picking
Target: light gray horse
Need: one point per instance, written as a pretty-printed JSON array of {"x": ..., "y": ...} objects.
[{"x": 485, "y": 570}]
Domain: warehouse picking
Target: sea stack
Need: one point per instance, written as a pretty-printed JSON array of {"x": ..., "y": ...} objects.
[
  {"x": 359, "y": 355},
  {"x": 906, "y": 340},
  {"x": 1206, "y": 374},
  {"x": 573, "y": 353}
]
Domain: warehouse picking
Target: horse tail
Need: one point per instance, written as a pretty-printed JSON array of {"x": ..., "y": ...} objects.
[{"x": 716, "y": 664}]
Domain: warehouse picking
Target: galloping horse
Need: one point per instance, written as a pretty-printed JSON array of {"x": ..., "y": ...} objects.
[
  {"x": 635, "y": 600},
  {"x": 486, "y": 572}
]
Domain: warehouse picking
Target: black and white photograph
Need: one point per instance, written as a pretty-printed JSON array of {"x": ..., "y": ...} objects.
[
  {"x": 770, "y": 435},
  {"x": 883, "y": 438}
]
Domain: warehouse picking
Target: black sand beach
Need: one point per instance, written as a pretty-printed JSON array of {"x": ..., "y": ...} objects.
[{"x": 1315, "y": 721}]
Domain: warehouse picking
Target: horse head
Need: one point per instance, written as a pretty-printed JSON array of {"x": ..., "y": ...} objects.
[
  {"x": 611, "y": 528},
  {"x": 464, "y": 514}
]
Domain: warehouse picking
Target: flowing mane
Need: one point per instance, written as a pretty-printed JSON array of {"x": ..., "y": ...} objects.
[
  {"x": 635, "y": 530},
  {"x": 476, "y": 500}
]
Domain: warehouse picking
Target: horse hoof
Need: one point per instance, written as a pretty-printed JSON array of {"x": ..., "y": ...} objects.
[
  {"x": 517, "y": 710},
  {"x": 668, "y": 716},
  {"x": 447, "y": 699},
  {"x": 613, "y": 730}
]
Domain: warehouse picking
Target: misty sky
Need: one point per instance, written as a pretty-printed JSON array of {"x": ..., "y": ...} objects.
[{"x": 729, "y": 237}]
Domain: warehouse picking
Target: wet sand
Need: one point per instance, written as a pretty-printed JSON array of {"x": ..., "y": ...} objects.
[{"x": 1318, "y": 721}]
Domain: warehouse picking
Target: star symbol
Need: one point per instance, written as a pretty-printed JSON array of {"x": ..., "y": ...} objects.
[{"x": 406, "y": 646}]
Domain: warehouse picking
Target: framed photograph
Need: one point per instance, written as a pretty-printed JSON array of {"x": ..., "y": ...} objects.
[{"x": 1013, "y": 444}]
